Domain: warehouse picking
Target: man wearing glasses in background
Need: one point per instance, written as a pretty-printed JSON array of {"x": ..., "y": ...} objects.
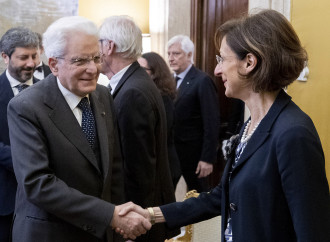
[
  {"x": 65, "y": 147},
  {"x": 197, "y": 121}
]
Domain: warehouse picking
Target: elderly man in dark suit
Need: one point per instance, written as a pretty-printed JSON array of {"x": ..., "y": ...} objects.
[
  {"x": 141, "y": 119},
  {"x": 19, "y": 51},
  {"x": 196, "y": 115},
  {"x": 65, "y": 146}
]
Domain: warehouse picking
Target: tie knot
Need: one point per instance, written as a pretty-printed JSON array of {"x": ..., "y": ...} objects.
[
  {"x": 21, "y": 87},
  {"x": 177, "y": 78},
  {"x": 83, "y": 104}
]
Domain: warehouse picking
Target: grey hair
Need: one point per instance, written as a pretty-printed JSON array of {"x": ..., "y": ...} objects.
[
  {"x": 186, "y": 45},
  {"x": 126, "y": 35},
  {"x": 56, "y": 36},
  {"x": 18, "y": 37}
]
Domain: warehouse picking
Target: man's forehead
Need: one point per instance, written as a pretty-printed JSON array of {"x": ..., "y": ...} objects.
[
  {"x": 175, "y": 46},
  {"x": 25, "y": 50}
]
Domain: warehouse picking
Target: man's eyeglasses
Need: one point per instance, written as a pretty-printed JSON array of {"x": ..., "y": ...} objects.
[{"x": 97, "y": 59}]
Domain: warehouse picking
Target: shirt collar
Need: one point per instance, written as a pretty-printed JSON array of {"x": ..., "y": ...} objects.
[
  {"x": 116, "y": 78},
  {"x": 71, "y": 98},
  {"x": 13, "y": 82},
  {"x": 183, "y": 74}
]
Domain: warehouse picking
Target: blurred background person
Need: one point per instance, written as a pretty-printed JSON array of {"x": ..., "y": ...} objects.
[
  {"x": 42, "y": 70},
  {"x": 197, "y": 118},
  {"x": 160, "y": 73},
  {"x": 141, "y": 120},
  {"x": 19, "y": 47}
]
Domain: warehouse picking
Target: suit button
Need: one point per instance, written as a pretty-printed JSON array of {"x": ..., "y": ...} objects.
[{"x": 233, "y": 207}]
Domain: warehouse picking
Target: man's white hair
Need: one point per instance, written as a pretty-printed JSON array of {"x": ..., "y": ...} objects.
[
  {"x": 56, "y": 36},
  {"x": 186, "y": 45},
  {"x": 126, "y": 35}
]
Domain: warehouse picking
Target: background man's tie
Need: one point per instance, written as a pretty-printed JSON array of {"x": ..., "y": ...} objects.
[{"x": 21, "y": 87}]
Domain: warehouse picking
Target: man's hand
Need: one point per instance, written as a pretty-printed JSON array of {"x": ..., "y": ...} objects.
[
  {"x": 204, "y": 169},
  {"x": 131, "y": 224}
]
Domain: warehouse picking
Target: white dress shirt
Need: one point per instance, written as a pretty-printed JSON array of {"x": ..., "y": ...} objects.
[
  {"x": 182, "y": 75},
  {"x": 13, "y": 82},
  {"x": 72, "y": 100}
]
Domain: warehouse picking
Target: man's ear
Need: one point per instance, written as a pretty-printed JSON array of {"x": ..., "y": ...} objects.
[
  {"x": 250, "y": 62},
  {"x": 52, "y": 62},
  {"x": 111, "y": 47},
  {"x": 189, "y": 55},
  {"x": 5, "y": 57}
]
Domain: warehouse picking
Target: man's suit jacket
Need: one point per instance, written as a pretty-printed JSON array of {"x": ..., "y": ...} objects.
[
  {"x": 278, "y": 190},
  {"x": 63, "y": 194},
  {"x": 197, "y": 120},
  {"x": 142, "y": 127},
  {"x": 7, "y": 177}
]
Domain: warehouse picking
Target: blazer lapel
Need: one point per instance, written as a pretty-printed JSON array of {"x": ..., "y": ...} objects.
[
  {"x": 135, "y": 65},
  {"x": 100, "y": 115},
  {"x": 263, "y": 131},
  {"x": 69, "y": 125}
]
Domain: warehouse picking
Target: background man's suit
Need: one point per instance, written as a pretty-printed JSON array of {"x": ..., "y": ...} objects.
[
  {"x": 7, "y": 177},
  {"x": 142, "y": 127},
  {"x": 197, "y": 123},
  {"x": 63, "y": 194},
  {"x": 46, "y": 69}
]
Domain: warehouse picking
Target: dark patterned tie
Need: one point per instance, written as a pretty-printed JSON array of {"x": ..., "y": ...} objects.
[
  {"x": 109, "y": 87},
  {"x": 21, "y": 87},
  {"x": 88, "y": 122}
]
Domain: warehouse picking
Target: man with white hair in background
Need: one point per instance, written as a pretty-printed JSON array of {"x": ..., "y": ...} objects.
[
  {"x": 141, "y": 120},
  {"x": 65, "y": 147},
  {"x": 196, "y": 109}
]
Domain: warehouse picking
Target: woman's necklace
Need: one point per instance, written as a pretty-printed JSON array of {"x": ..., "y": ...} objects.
[{"x": 245, "y": 136}]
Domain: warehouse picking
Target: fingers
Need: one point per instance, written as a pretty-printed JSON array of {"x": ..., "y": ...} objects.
[
  {"x": 198, "y": 169},
  {"x": 204, "y": 169},
  {"x": 131, "y": 224}
]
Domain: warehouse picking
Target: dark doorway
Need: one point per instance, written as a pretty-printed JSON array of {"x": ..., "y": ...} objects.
[{"x": 207, "y": 16}]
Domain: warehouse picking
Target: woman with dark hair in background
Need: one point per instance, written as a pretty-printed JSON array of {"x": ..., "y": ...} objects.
[{"x": 160, "y": 73}]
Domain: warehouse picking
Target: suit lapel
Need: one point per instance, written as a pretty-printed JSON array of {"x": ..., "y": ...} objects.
[
  {"x": 262, "y": 132},
  {"x": 100, "y": 119},
  {"x": 6, "y": 92},
  {"x": 65, "y": 121},
  {"x": 135, "y": 65},
  {"x": 186, "y": 84}
]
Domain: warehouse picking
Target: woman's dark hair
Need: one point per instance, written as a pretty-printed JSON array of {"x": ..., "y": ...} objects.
[
  {"x": 161, "y": 74},
  {"x": 271, "y": 38}
]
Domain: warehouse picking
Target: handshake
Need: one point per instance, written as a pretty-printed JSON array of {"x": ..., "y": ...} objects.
[{"x": 130, "y": 220}]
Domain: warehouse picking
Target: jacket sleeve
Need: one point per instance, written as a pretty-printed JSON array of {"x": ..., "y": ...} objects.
[
  {"x": 209, "y": 104},
  {"x": 207, "y": 205},
  {"x": 137, "y": 121},
  {"x": 302, "y": 168}
]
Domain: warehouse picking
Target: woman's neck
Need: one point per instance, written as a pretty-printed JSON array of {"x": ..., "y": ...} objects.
[{"x": 259, "y": 104}]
